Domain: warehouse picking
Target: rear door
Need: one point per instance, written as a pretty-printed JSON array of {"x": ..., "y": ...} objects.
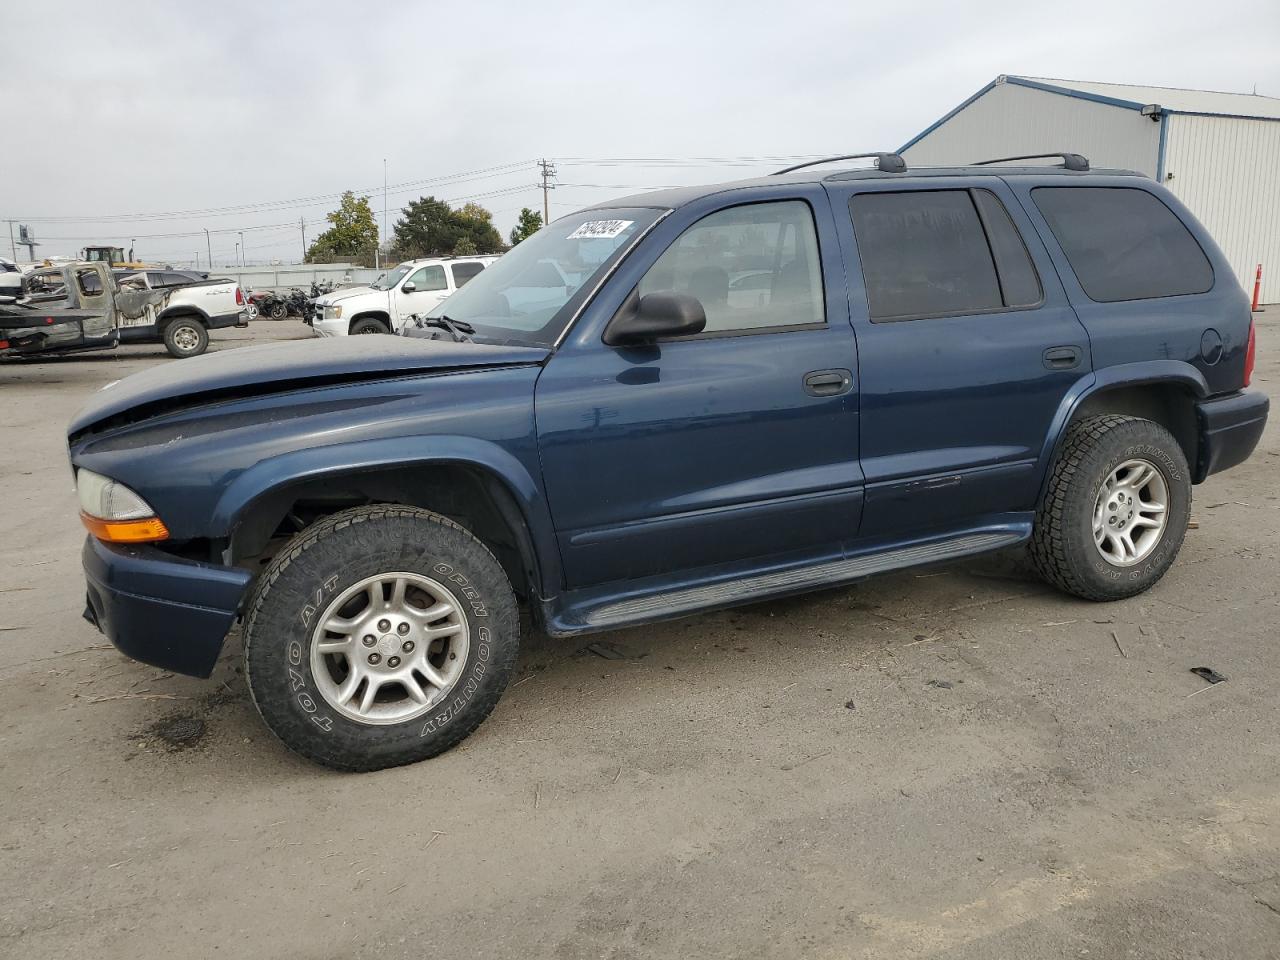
[{"x": 967, "y": 346}]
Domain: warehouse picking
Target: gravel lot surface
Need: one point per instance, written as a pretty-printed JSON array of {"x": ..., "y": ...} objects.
[{"x": 956, "y": 762}]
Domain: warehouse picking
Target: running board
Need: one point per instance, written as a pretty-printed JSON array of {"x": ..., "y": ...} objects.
[{"x": 795, "y": 580}]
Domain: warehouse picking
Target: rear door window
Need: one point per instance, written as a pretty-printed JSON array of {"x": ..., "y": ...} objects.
[
  {"x": 1124, "y": 243},
  {"x": 462, "y": 272},
  {"x": 941, "y": 253},
  {"x": 923, "y": 254},
  {"x": 1019, "y": 282}
]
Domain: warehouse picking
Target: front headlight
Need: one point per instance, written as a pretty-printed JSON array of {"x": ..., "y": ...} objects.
[
  {"x": 332, "y": 313},
  {"x": 113, "y": 512}
]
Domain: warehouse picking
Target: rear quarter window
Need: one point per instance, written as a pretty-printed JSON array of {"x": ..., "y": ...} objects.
[{"x": 1124, "y": 243}]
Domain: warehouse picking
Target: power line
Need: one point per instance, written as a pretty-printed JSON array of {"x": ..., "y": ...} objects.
[
  {"x": 504, "y": 191},
  {"x": 465, "y": 176}
]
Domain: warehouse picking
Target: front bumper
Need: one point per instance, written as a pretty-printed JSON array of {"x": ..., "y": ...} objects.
[
  {"x": 330, "y": 328},
  {"x": 160, "y": 609},
  {"x": 1230, "y": 428}
]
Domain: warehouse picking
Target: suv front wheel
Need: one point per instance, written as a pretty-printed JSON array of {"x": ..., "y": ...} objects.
[
  {"x": 380, "y": 635},
  {"x": 1116, "y": 510}
]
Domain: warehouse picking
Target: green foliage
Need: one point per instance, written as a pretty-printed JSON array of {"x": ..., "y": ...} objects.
[
  {"x": 431, "y": 228},
  {"x": 354, "y": 232},
  {"x": 530, "y": 222}
]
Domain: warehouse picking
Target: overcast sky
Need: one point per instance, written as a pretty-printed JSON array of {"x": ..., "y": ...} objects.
[{"x": 150, "y": 109}]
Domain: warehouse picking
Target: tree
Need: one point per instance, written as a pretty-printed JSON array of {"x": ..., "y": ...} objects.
[
  {"x": 530, "y": 222},
  {"x": 354, "y": 232},
  {"x": 431, "y": 228},
  {"x": 477, "y": 224}
]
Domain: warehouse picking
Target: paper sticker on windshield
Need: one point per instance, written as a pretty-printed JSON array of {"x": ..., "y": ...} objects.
[{"x": 600, "y": 229}]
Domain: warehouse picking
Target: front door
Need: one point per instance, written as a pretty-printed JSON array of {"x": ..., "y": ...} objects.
[
  {"x": 420, "y": 291},
  {"x": 967, "y": 347},
  {"x": 733, "y": 445}
]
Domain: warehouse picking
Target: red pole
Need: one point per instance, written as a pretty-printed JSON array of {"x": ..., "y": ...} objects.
[{"x": 1257, "y": 287}]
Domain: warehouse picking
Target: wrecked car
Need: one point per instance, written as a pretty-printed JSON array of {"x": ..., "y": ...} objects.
[
  {"x": 179, "y": 315},
  {"x": 60, "y": 309},
  {"x": 79, "y": 306}
]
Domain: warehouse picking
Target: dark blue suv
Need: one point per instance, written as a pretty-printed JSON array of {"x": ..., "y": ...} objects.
[{"x": 665, "y": 405}]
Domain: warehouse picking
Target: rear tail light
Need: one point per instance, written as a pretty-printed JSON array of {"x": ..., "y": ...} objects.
[
  {"x": 239, "y": 297},
  {"x": 1250, "y": 353}
]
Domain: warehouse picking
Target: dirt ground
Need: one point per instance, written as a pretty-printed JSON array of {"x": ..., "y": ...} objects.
[{"x": 955, "y": 762}]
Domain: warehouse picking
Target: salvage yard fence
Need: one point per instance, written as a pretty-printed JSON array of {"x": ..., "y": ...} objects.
[{"x": 297, "y": 275}]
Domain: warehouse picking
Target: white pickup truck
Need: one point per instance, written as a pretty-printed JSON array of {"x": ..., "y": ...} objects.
[
  {"x": 385, "y": 305},
  {"x": 182, "y": 316}
]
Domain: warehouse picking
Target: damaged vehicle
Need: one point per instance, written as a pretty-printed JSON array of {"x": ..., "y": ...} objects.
[
  {"x": 79, "y": 306},
  {"x": 180, "y": 315},
  {"x": 60, "y": 309},
  {"x": 729, "y": 394}
]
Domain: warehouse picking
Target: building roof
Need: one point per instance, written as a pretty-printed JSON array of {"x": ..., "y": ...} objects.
[{"x": 1173, "y": 99}]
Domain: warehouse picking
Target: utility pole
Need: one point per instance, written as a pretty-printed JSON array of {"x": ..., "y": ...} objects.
[
  {"x": 302, "y": 223},
  {"x": 13, "y": 247},
  {"x": 241, "y": 248},
  {"x": 377, "y": 251},
  {"x": 548, "y": 171},
  {"x": 208, "y": 247}
]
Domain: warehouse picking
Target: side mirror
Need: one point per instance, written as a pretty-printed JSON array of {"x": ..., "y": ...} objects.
[
  {"x": 409, "y": 287},
  {"x": 656, "y": 315}
]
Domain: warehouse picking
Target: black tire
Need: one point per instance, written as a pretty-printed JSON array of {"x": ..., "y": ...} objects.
[
  {"x": 369, "y": 325},
  {"x": 278, "y": 311},
  {"x": 320, "y": 564},
  {"x": 186, "y": 337},
  {"x": 1062, "y": 543}
]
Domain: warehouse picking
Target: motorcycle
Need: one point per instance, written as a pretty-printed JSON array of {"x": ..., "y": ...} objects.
[
  {"x": 270, "y": 304},
  {"x": 298, "y": 304}
]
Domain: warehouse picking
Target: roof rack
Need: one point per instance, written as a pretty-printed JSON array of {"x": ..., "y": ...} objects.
[
  {"x": 886, "y": 162},
  {"x": 1070, "y": 161}
]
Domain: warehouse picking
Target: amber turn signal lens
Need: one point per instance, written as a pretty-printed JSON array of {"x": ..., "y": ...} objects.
[{"x": 126, "y": 531}]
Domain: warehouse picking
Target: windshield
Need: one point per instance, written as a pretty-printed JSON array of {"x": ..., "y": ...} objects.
[
  {"x": 525, "y": 296},
  {"x": 389, "y": 280}
]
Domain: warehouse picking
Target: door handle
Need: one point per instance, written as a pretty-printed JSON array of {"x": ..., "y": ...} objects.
[
  {"x": 1063, "y": 358},
  {"x": 828, "y": 383}
]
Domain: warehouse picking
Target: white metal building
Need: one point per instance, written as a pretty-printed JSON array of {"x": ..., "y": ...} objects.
[{"x": 1218, "y": 152}]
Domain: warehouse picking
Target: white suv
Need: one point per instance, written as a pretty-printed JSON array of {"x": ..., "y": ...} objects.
[{"x": 386, "y": 304}]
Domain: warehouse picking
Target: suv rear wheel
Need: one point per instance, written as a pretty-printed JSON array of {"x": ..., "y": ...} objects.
[
  {"x": 1116, "y": 511},
  {"x": 380, "y": 636}
]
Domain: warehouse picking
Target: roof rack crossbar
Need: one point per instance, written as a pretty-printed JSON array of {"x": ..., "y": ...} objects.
[
  {"x": 885, "y": 162},
  {"x": 1070, "y": 161}
]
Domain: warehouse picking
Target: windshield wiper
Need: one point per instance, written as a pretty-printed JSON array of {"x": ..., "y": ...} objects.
[{"x": 460, "y": 330}]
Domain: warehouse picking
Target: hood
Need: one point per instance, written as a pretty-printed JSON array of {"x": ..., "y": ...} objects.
[
  {"x": 346, "y": 293},
  {"x": 278, "y": 367}
]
